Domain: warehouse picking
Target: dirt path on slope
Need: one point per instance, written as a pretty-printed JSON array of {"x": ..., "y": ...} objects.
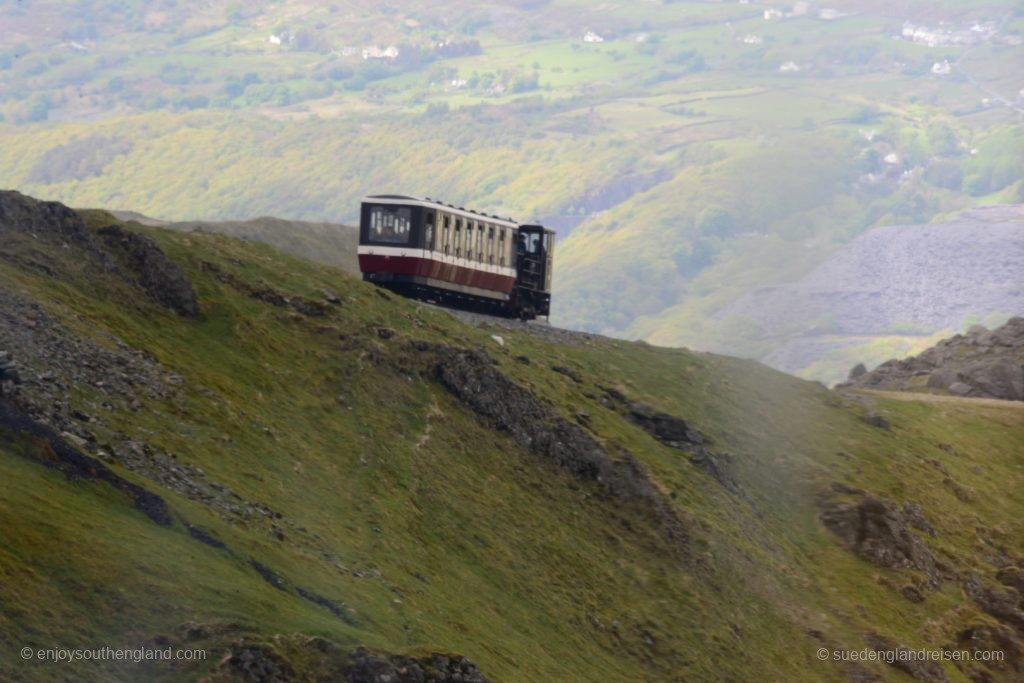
[{"x": 942, "y": 398}]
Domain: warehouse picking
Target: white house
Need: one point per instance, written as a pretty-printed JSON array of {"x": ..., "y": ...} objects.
[
  {"x": 942, "y": 68},
  {"x": 591, "y": 37},
  {"x": 274, "y": 40},
  {"x": 772, "y": 13},
  {"x": 374, "y": 52},
  {"x": 751, "y": 39},
  {"x": 891, "y": 158},
  {"x": 789, "y": 67}
]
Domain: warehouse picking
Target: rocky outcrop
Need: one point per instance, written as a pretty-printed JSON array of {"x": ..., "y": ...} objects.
[
  {"x": 903, "y": 658},
  {"x": 54, "y": 451},
  {"x": 668, "y": 429},
  {"x": 878, "y": 531},
  {"x": 982, "y": 639},
  {"x": 49, "y": 221},
  {"x": 8, "y": 372},
  {"x": 675, "y": 432},
  {"x": 266, "y": 293},
  {"x": 472, "y": 377},
  {"x": 297, "y": 657},
  {"x": 371, "y": 667},
  {"x": 135, "y": 257},
  {"x": 161, "y": 278},
  {"x": 1005, "y": 605},
  {"x": 982, "y": 363},
  {"x": 253, "y": 663},
  {"x": 52, "y": 360}
]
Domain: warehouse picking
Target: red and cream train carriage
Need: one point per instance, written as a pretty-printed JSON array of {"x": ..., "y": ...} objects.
[{"x": 450, "y": 255}]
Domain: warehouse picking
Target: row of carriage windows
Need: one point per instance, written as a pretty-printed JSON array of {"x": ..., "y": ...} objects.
[
  {"x": 469, "y": 239},
  {"x": 457, "y": 237}
]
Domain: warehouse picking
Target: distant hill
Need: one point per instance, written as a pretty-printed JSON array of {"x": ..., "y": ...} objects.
[
  {"x": 911, "y": 280},
  {"x": 333, "y": 244}
]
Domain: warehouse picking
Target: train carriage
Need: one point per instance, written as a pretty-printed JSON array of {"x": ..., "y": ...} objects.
[{"x": 454, "y": 256}]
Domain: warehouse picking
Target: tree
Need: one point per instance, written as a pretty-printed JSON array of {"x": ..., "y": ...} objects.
[
  {"x": 715, "y": 221},
  {"x": 38, "y": 110}
]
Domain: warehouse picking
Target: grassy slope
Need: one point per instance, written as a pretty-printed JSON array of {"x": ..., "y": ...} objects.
[{"x": 522, "y": 570}]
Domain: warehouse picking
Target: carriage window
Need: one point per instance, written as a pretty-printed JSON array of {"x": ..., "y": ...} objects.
[
  {"x": 469, "y": 240},
  {"x": 428, "y": 232},
  {"x": 480, "y": 242},
  {"x": 533, "y": 243},
  {"x": 502, "y": 246},
  {"x": 446, "y": 233},
  {"x": 490, "y": 244},
  {"x": 388, "y": 224},
  {"x": 458, "y": 237}
]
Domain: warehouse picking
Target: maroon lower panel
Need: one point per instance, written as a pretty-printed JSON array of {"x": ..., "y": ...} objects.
[{"x": 446, "y": 272}]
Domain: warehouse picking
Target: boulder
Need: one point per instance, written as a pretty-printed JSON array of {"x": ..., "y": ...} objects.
[
  {"x": 1002, "y": 379},
  {"x": 876, "y": 420},
  {"x": 856, "y": 371},
  {"x": 162, "y": 279},
  {"x": 960, "y": 389},
  {"x": 1013, "y": 577},
  {"x": 942, "y": 378},
  {"x": 877, "y": 531},
  {"x": 670, "y": 430},
  {"x": 979, "y": 364}
]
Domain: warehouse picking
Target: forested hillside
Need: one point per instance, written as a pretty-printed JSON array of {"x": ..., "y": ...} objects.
[{"x": 688, "y": 152}]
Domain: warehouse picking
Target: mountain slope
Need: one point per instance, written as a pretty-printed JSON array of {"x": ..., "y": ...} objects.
[
  {"x": 907, "y": 280},
  {"x": 278, "y": 479}
]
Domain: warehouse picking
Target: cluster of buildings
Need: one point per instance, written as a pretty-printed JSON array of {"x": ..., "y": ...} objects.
[
  {"x": 374, "y": 52},
  {"x": 945, "y": 35},
  {"x": 803, "y": 9},
  {"x": 371, "y": 52}
]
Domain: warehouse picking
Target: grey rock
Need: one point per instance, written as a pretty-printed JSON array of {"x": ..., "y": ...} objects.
[
  {"x": 876, "y": 420},
  {"x": 161, "y": 278},
  {"x": 960, "y": 389},
  {"x": 856, "y": 371},
  {"x": 471, "y": 376},
  {"x": 980, "y": 364},
  {"x": 877, "y": 531},
  {"x": 942, "y": 378},
  {"x": 1013, "y": 577},
  {"x": 374, "y": 667}
]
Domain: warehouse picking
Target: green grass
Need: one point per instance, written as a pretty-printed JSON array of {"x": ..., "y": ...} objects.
[{"x": 440, "y": 533}]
